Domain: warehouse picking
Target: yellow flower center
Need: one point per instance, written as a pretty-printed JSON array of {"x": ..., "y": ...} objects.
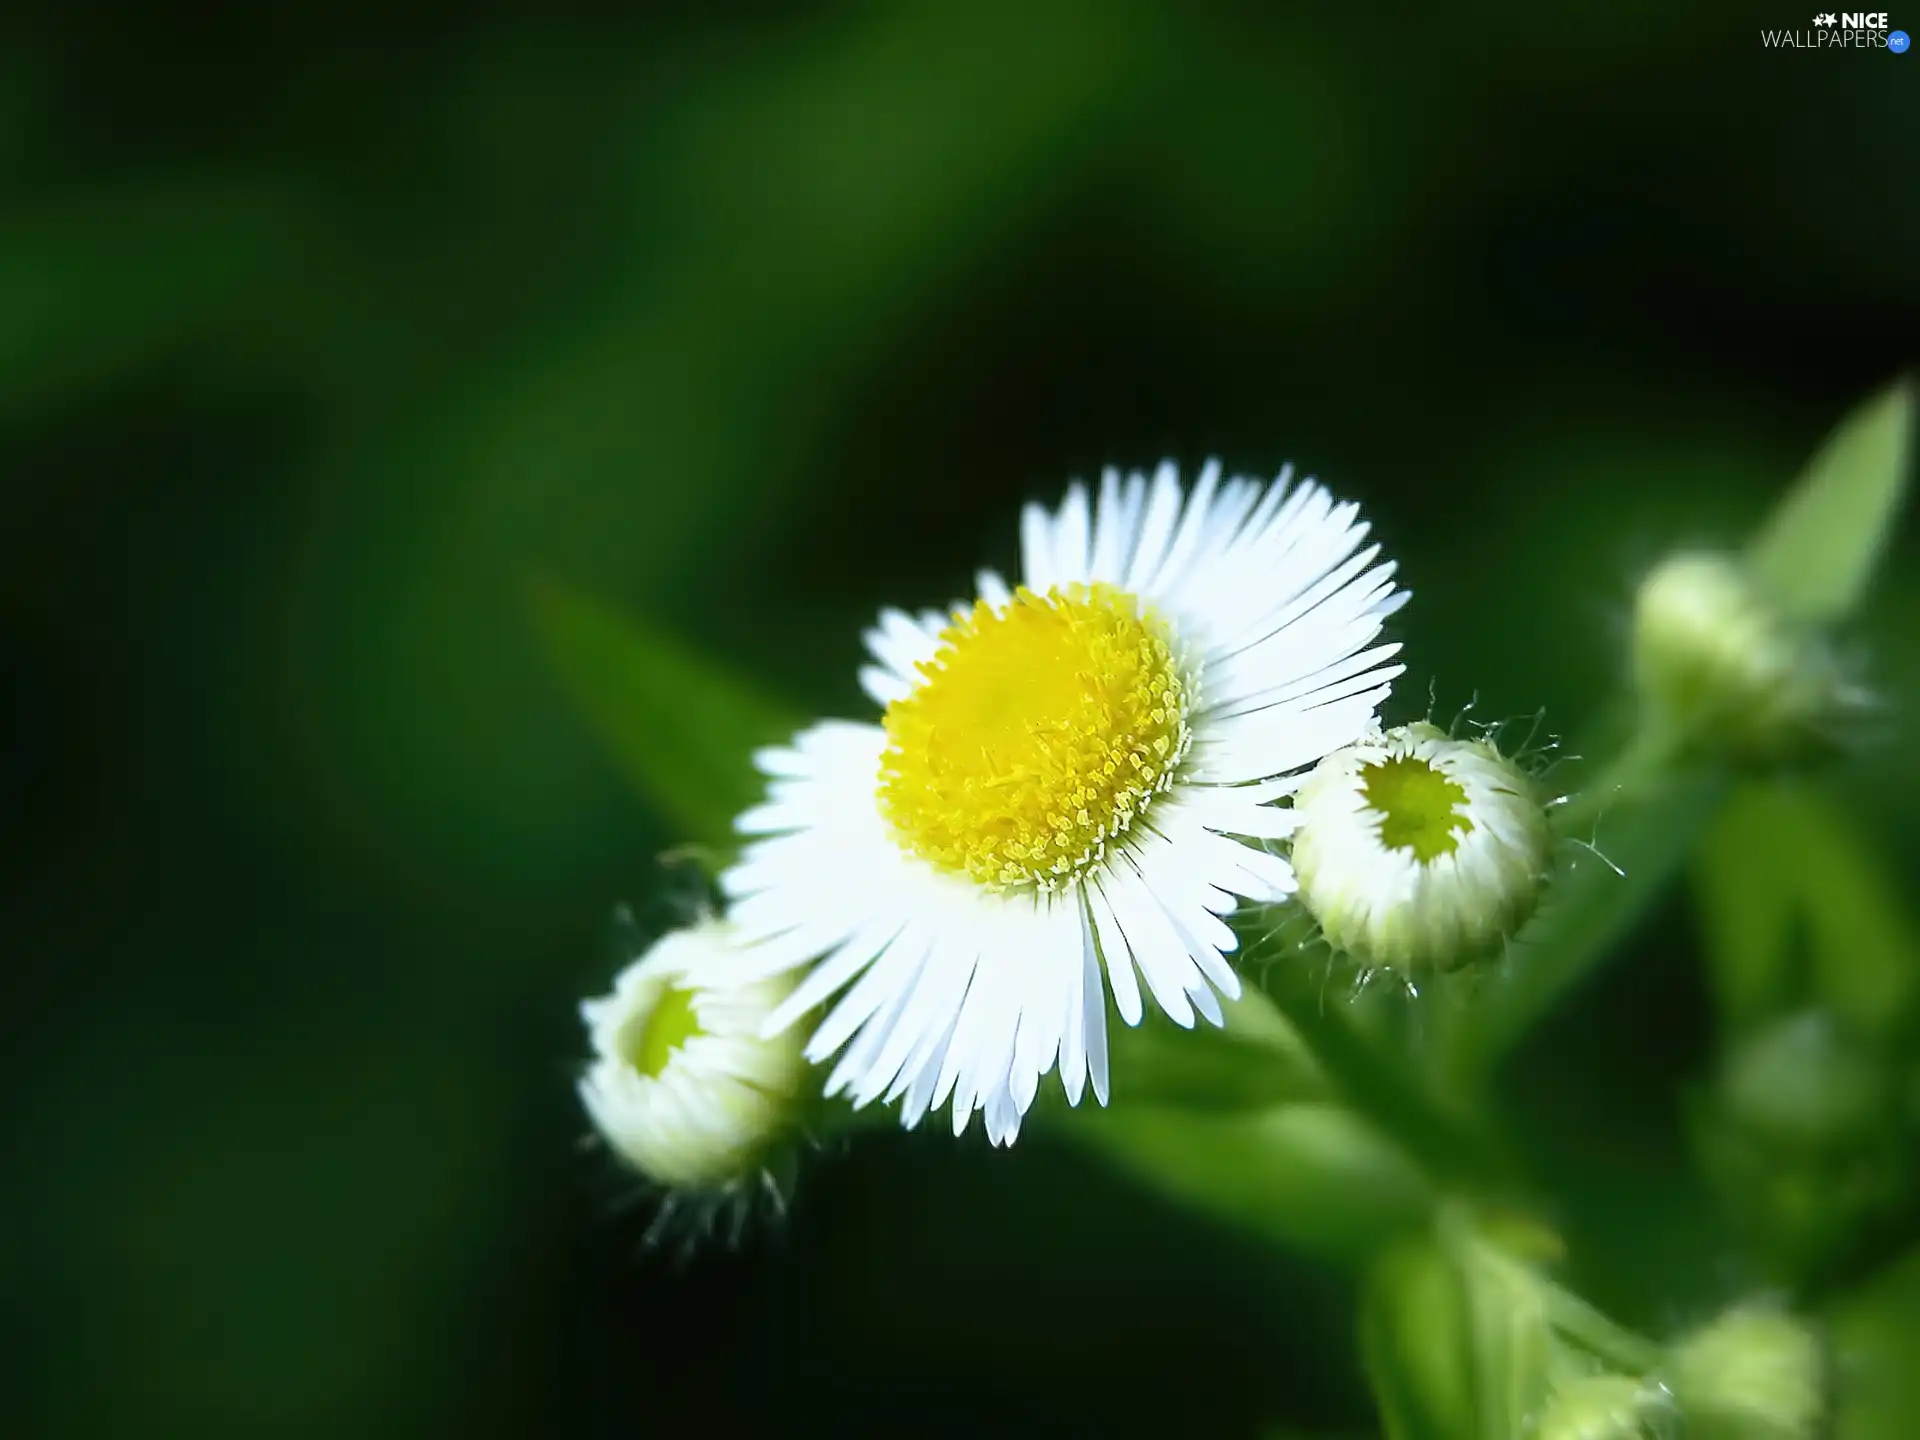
[
  {"x": 648, "y": 1040},
  {"x": 1418, "y": 806},
  {"x": 1038, "y": 733}
]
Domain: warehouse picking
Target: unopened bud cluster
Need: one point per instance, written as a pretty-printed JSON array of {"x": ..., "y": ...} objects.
[
  {"x": 1467, "y": 1334},
  {"x": 1756, "y": 1373},
  {"x": 1720, "y": 665}
]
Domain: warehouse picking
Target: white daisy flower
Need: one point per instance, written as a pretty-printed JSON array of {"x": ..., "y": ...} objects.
[
  {"x": 683, "y": 1086},
  {"x": 1068, "y": 789},
  {"x": 1417, "y": 851}
]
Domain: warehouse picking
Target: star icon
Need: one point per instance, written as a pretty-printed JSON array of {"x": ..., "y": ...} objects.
[{"x": 1826, "y": 19}]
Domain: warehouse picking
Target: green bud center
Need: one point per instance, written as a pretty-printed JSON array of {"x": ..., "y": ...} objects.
[
  {"x": 648, "y": 1041},
  {"x": 1420, "y": 809}
]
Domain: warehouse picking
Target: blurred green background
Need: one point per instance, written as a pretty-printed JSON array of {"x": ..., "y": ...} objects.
[{"x": 323, "y": 331}]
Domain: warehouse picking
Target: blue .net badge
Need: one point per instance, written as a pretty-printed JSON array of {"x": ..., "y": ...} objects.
[{"x": 1897, "y": 42}]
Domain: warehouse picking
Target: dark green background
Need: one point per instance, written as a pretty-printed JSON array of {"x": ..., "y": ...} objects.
[{"x": 323, "y": 330}]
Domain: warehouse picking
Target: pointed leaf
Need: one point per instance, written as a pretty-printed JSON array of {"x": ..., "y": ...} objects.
[
  {"x": 1311, "y": 1176},
  {"x": 1257, "y": 1060},
  {"x": 1875, "y": 1334},
  {"x": 1817, "y": 551},
  {"x": 1785, "y": 883},
  {"x": 1416, "y": 1341},
  {"x": 683, "y": 728}
]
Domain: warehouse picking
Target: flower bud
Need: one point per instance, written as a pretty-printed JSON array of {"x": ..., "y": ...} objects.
[
  {"x": 1606, "y": 1407},
  {"x": 1417, "y": 851},
  {"x": 681, "y": 1087},
  {"x": 1802, "y": 1084},
  {"x": 1806, "y": 1136},
  {"x": 1756, "y": 1373},
  {"x": 1718, "y": 664}
]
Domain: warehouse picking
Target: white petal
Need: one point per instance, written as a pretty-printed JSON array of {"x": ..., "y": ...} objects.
[
  {"x": 900, "y": 643},
  {"x": 982, "y": 1012},
  {"x": 924, "y": 1072},
  {"x": 1037, "y": 569},
  {"x": 1072, "y": 538},
  {"x": 943, "y": 980},
  {"x": 1096, "y": 1028},
  {"x": 759, "y": 958},
  {"x": 888, "y": 980},
  {"x": 1073, "y": 1035},
  {"x": 835, "y": 970},
  {"x": 1206, "y": 1002},
  {"x": 1186, "y": 540},
  {"x": 1220, "y": 808},
  {"x": 1156, "y": 948},
  {"x": 1114, "y": 949},
  {"x": 862, "y": 1054},
  {"x": 1156, "y": 530},
  {"x": 883, "y": 687},
  {"x": 1051, "y": 969},
  {"x": 781, "y": 760},
  {"x": 1116, "y": 524}
]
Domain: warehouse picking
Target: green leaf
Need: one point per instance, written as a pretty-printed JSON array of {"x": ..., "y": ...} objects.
[
  {"x": 683, "y": 728},
  {"x": 1817, "y": 551},
  {"x": 1798, "y": 908},
  {"x": 1875, "y": 1335},
  {"x": 1310, "y": 1176},
  {"x": 1257, "y": 1060},
  {"x": 1512, "y": 1348},
  {"x": 1464, "y": 1335},
  {"x": 1372, "y": 1073},
  {"x": 1416, "y": 1340},
  {"x": 1806, "y": 1140},
  {"x": 1747, "y": 921},
  {"x": 112, "y": 280}
]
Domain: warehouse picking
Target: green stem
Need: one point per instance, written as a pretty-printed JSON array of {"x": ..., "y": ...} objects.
[
  {"x": 1448, "y": 1142},
  {"x": 1647, "y": 756},
  {"x": 1646, "y": 808},
  {"x": 1613, "y": 1344}
]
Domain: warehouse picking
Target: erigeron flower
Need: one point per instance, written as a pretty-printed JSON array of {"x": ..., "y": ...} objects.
[
  {"x": 1417, "y": 851},
  {"x": 1068, "y": 789},
  {"x": 683, "y": 1087}
]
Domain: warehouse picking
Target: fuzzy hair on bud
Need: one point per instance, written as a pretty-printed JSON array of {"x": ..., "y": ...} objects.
[{"x": 1419, "y": 852}]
